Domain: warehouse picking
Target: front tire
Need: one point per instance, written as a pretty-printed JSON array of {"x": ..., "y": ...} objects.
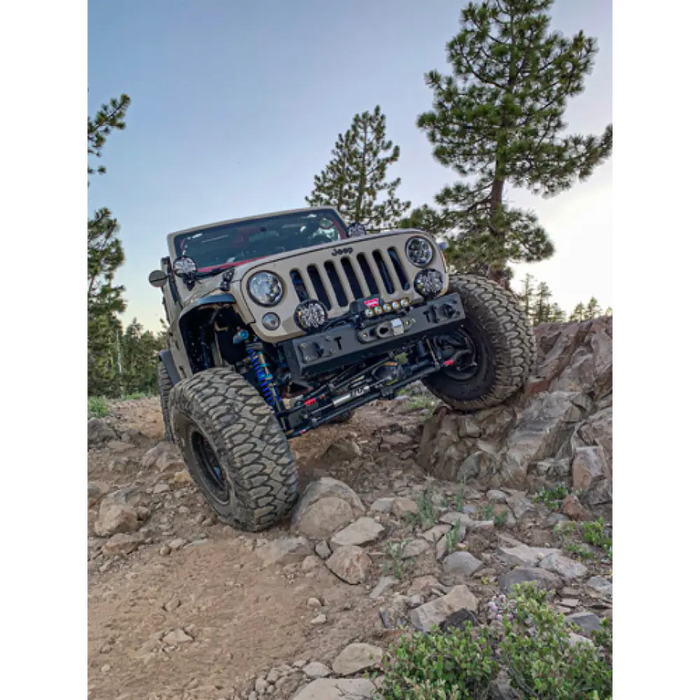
[
  {"x": 164, "y": 388},
  {"x": 234, "y": 448},
  {"x": 494, "y": 348}
]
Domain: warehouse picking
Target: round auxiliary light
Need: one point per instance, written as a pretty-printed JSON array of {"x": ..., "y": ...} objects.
[
  {"x": 395, "y": 305},
  {"x": 405, "y": 303},
  {"x": 378, "y": 311},
  {"x": 184, "y": 266},
  {"x": 429, "y": 283},
  {"x": 311, "y": 315},
  {"x": 419, "y": 251},
  {"x": 369, "y": 313},
  {"x": 271, "y": 321},
  {"x": 387, "y": 308},
  {"x": 265, "y": 288}
]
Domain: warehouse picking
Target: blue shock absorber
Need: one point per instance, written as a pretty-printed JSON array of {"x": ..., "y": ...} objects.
[{"x": 262, "y": 373}]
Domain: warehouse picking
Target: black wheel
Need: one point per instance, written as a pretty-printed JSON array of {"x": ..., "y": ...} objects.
[
  {"x": 493, "y": 351},
  {"x": 164, "y": 387},
  {"x": 234, "y": 448}
]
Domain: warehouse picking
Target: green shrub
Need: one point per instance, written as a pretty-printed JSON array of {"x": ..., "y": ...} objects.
[
  {"x": 97, "y": 407},
  {"x": 594, "y": 533},
  {"x": 552, "y": 498},
  {"x": 540, "y": 661},
  {"x": 426, "y": 516},
  {"x": 458, "y": 665}
]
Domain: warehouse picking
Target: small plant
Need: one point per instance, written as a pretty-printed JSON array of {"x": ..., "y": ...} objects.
[
  {"x": 135, "y": 396},
  {"x": 552, "y": 498},
  {"x": 458, "y": 665},
  {"x": 487, "y": 513},
  {"x": 500, "y": 519},
  {"x": 458, "y": 499},
  {"x": 426, "y": 516},
  {"x": 594, "y": 533},
  {"x": 97, "y": 407},
  {"x": 395, "y": 551},
  {"x": 578, "y": 550},
  {"x": 452, "y": 538},
  {"x": 417, "y": 403},
  {"x": 540, "y": 661}
]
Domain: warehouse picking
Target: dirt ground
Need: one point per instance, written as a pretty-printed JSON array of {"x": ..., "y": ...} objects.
[{"x": 243, "y": 618}]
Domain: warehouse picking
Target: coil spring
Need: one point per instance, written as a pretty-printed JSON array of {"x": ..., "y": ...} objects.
[{"x": 269, "y": 390}]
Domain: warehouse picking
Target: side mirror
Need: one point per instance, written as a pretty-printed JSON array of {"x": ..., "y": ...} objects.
[{"x": 158, "y": 278}]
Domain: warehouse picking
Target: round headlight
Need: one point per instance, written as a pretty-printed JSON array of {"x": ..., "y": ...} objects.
[
  {"x": 419, "y": 251},
  {"x": 266, "y": 288},
  {"x": 271, "y": 321},
  {"x": 429, "y": 283},
  {"x": 184, "y": 266},
  {"x": 311, "y": 315}
]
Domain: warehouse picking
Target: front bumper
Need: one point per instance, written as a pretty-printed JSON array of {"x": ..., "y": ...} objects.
[{"x": 349, "y": 343}]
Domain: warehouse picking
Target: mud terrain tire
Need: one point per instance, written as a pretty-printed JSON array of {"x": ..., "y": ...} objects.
[
  {"x": 164, "y": 388},
  {"x": 503, "y": 342},
  {"x": 234, "y": 448}
]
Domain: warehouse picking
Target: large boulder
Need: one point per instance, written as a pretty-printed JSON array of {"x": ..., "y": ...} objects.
[
  {"x": 165, "y": 455},
  {"x": 561, "y": 422},
  {"x": 100, "y": 432},
  {"x": 326, "y": 506}
]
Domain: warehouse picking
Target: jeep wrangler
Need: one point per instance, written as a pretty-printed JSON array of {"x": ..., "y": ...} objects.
[{"x": 280, "y": 323}]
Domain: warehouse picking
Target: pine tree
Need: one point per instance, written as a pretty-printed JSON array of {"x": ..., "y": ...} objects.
[
  {"x": 527, "y": 297},
  {"x": 579, "y": 313},
  {"x": 139, "y": 360},
  {"x": 105, "y": 255},
  {"x": 355, "y": 179},
  {"x": 542, "y": 311},
  {"x": 593, "y": 309},
  {"x": 498, "y": 119}
]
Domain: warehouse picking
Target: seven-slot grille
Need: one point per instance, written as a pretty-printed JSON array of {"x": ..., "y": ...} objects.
[{"x": 338, "y": 282}]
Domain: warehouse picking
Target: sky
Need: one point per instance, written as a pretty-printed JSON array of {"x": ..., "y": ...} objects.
[{"x": 237, "y": 105}]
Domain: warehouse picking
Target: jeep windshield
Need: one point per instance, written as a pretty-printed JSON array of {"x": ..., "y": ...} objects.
[{"x": 218, "y": 247}]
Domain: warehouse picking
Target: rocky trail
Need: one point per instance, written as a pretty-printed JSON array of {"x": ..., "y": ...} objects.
[{"x": 411, "y": 516}]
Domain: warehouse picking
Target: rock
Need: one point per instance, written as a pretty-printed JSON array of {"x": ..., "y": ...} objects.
[
  {"x": 362, "y": 531},
  {"x": 182, "y": 478},
  {"x": 522, "y": 555},
  {"x": 311, "y": 562},
  {"x": 355, "y": 658},
  {"x": 462, "y": 564},
  {"x": 122, "y": 543},
  {"x": 395, "y": 614},
  {"x": 118, "y": 446},
  {"x": 521, "y": 506},
  {"x": 114, "y": 517},
  {"x": 128, "y": 495},
  {"x": 260, "y": 685},
  {"x": 99, "y": 432},
  {"x": 589, "y": 467},
  {"x": 572, "y": 508},
  {"x": 172, "y": 604},
  {"x": 587, "y": 621},
  {"x": 414, "y": 548},
  {"x": 343, "y": 450},
  {"x": 350, "y": 564},
  {"x": 316, "y": 670},
  {"x": 161, "y": 488},
  {"x": 575, "y": 639},
  {"x": 338, "y": 689},
  {"x": 500, "y": 688},
  {"x": 177, "y": 543},
  {"x": 284, "y": 550},
  {"x": 453, "y": 517},
  {"x": 314, "y": 603},
  {"x": 382, "y": 505},
  {"x": 543, "y": 578},
  {"x": 422, "y": 585},
  {"x": 404, "y": 507},
  {"x": 164, "y": 550},
  {"x": 600, "y": 585},
  {"x": 435, "y": 533},
  {"x": 320, "y": 619},
  {"x": 176, "y": 637},
  {"x": 165, "y": 455},
  {"x": 458, "y": 620},
  {"x": 504, "y": 514},
  {"x": 467, "y": 427},
  {"x": 323, "y": 550},
  {"x": 563, "y": 566},
  {"x": 396, "y": 440},
  {"x": 384, "y": 584},
  {"x": 435, "y": 612},
  {"x": 326, "y": 506},
  {"x": 96, "y": 490},
  {"x": 496, "y": 496}
]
